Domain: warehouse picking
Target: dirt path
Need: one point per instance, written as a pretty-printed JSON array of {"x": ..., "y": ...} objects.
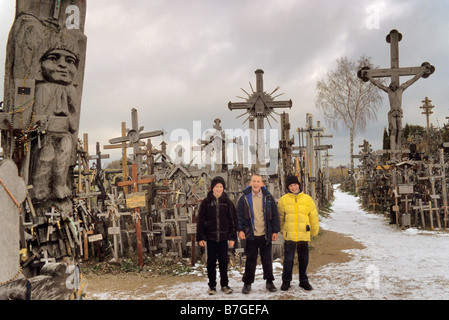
[{"x": 326, "y": 248}]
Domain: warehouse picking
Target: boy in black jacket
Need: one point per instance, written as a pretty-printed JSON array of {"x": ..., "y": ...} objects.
[{"x": 217, "y": 224}]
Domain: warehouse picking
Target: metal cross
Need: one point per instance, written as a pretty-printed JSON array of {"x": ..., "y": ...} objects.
[{"x": 259, "y": 105}]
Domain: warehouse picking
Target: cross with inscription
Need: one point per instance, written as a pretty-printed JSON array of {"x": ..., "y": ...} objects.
[
  {"x": 395, "y": 89},
  {"x": 135, "y": 183},
  {"x": 259, "y": 105}
]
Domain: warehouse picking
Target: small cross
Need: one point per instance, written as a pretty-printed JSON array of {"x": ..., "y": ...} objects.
[
  {"x": 52, "y": 214},
  {"x": 98, "y": 156},
  {"x": 46, "y": 259},
  {"x": 135, "y": 182}
]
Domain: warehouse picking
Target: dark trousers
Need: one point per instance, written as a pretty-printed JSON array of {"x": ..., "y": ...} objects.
[
  {"x": 302, "y": 247},
  {"x": 217, "y": 250},
  {"x": 252, "y": 248}
]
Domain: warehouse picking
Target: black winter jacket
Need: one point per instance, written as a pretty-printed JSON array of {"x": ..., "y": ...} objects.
[{"x": 216, "y": 222}]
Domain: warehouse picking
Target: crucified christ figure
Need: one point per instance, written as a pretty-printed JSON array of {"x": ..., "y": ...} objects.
[{"x": 395, "y": 115}]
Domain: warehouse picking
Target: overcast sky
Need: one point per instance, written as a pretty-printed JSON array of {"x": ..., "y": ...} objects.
[{"x": 179, "y": 63}]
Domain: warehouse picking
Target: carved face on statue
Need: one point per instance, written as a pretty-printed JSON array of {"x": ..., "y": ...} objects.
[{"x": 59, "y": 66}]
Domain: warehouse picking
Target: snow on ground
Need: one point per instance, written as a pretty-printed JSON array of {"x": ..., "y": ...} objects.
[{"x": 396, "y": 264}]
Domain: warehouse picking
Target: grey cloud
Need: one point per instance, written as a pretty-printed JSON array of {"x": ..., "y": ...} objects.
[{"x": 182, "y": 61}]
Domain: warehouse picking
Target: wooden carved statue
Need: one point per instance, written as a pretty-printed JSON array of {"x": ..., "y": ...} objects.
[{"x": 44, "y": 74}]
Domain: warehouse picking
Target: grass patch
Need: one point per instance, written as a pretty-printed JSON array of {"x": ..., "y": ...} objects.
[{"x": 155, "y": 266}]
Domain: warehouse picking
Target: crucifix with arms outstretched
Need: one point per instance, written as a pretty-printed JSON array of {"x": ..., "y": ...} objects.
[
  {"x": 259, "y": 105},
  {"x": 395, "y": 89}
]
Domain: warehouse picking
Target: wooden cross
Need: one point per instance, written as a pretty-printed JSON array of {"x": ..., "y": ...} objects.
[
  {"x": 420, "y": 208},
  {"x": 113, "y": 214},
  {"x": 98, "y": 156},
  {"x": 431, "y": 209},
  {"x": 134, "y": 136},
  {"x": 122, "y": 146},
  {"x": 135, "y": 184},
  {"x": 395, "y": 89},
  {"x": 206, "y": 145},
  {"x": 221, "y": 144},
  {"x": 88, "y": 194},
  {"x": 373, "y": 203},
  {"x": 79, "y": 232},
  {"x": 259, "y": 105},
  {"x": 83, "y": 161},
  {"x": 441, "y": 166},
  {"x": 427, "y": 107},
  {"x": 215, "y": 143},
  {"x": 310, "y": 155},
  {"x": 443, "y": 186},
  {"x": 286, "y": 144},
  {"x": 98, "y": 180},
  {"x": 193, "y": 203}
]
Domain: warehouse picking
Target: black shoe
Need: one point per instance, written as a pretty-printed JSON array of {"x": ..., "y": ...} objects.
[
  {"x": 305, "y": 285},
  {"x": 285, "y": 285},
  {"x": 246, "y": 288},
  {"x": 270, "y": 286}
]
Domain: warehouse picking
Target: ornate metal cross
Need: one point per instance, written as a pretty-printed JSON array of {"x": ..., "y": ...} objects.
[{"x": 259, "y": 105}]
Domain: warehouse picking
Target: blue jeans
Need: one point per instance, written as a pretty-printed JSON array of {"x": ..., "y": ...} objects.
[{"x": 302, "y": 247}]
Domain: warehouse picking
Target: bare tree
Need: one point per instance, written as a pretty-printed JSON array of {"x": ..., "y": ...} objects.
[{"x": 347, "y": 101}]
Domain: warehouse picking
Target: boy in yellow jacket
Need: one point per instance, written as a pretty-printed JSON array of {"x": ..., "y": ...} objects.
[{"x": 299, "y": 221}]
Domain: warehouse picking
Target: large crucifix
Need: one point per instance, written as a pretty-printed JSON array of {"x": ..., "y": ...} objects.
[
  {"x": 259, "y": 105},
  {"x": 395, "y": 89}
]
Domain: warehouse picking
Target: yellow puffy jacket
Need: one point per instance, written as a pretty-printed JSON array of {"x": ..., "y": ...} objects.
[{"x": 299, "y": 217}]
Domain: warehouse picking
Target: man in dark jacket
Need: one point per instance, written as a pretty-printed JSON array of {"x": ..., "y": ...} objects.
[
  {"x": 258, "y": 224},
  {"x": 217, "y": 224}
]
